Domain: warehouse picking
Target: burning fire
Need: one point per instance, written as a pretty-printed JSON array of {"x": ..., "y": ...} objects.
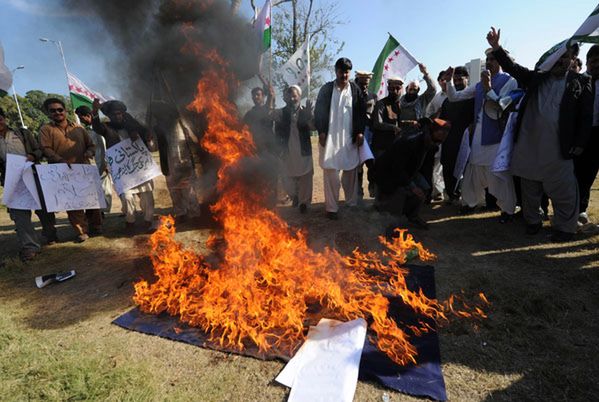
[{"x": 269, "y": 280}]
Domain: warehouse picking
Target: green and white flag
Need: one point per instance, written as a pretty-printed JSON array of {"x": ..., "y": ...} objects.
[
  {"x": 262, "y": 26},
  {"x": 394, "y": 61},
  {"x": 588, "y": 33},
  {"x": 5, "y": 75},
  {"x": 81, "y": 94}
]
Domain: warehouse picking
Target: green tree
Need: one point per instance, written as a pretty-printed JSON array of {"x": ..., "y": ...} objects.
[
  {"x": 31, "y": 109},
  {"x": 296, "y": 20}
]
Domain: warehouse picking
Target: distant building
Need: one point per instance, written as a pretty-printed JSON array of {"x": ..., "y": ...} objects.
[{"x": 475, "y": 67}]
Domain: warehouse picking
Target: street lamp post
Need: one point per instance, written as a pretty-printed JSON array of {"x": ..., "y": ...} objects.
[
  {"x": 14, "y": 92},
  {"x": 58, "y": 45}
]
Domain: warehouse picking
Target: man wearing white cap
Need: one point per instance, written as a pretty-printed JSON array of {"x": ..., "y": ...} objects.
[
  {"x": 340, "y": 118},
  {"x": 293, "y": 125}
]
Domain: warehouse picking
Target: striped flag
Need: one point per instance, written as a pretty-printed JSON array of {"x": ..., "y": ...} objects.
[
  {"x": 81, "y": 94},
  {"x": 588, "y": 33},
  {"x": 5, "y": 75},
  {"x": 262, "y": 26},
  {"x": 394, "y": 61}
]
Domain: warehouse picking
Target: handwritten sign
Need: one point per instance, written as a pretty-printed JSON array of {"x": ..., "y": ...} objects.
[
  {"x": 19, "y": 185},
  {"x": 71, "y": 188},
  {"x": 130, "y": 164}
]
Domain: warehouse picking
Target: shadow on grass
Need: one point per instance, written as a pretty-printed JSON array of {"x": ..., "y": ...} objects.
[{"x": 542, "y": 323}]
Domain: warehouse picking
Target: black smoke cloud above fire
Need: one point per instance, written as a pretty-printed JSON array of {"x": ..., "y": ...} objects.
[{"x": 150, "y": 36}]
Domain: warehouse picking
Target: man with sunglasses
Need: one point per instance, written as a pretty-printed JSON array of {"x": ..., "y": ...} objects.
[
  {"x": 485, "y": 137},
  {"x": 385, "y": 117},
  {"x": 63, "y": 141}
]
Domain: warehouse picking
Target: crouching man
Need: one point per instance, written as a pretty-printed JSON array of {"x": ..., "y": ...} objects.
[{"x": 397, "y": 174}]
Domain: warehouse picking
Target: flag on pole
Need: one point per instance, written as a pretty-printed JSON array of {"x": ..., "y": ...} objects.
[
  {"x": 262, "y": 26},
  {"x": 588, "y": 33},
  {"x": 5, "y": 75},
  {"x": 81, "y": 94},
  {"x": 296, "y": 71},
  {"x": 394, "y": 61}
]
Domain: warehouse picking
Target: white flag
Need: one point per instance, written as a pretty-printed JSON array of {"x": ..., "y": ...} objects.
[
  {"x": 5, "y": 75},
  {"x": 296, "y": 71}
]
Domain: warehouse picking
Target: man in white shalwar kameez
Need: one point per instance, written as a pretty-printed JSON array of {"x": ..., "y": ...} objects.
[
  {"x": 340, "y": 117},
  {"x": 493, "y": 86},
  {"x": 293, "y": 125}
]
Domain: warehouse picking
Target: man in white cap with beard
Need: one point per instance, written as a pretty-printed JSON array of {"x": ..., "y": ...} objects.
[{"x": 293, "y": 125}]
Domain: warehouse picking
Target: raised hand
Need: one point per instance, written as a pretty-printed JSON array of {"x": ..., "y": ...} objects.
[
  {"x": 423, "y": 69},
  {"x": 96, "y": 106},
  {"x": 493, "y": 38},
  {"x": 448, "y": 75}
]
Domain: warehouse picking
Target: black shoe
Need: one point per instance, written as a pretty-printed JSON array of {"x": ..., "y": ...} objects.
[
  {"x": 418, "y": 223},
  {"x": 332, "y": 216},
  {"x": 505, "y": 218},
  {"x": 560, "y": 237},
  {"x": 303, "y": 208},
  {"x": 533, "y": 228},
  {"x": 466, "y": 210}
]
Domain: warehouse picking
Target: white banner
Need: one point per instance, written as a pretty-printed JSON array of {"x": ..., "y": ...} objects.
[
  {"x": 5, "y": 74},
  {"x": 463, "y": 156},
  {"x": 19, "y": 185},
  {"x": 71, "y": 188},
  {"x": 130, "y": 164},
  {"x": 297, "y": 69}
]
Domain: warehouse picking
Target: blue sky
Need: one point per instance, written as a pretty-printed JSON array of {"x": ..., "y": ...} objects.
[{"x": 438, "y": 33}]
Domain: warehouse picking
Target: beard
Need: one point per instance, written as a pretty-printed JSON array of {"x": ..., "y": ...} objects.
[{"x": 409, "y": 97}]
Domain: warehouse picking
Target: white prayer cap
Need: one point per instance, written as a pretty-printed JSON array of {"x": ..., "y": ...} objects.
[
  {"x": 394, "y": 79},
  {"x": 297, "y": 88},
  {"x": 362, "y": 73}
]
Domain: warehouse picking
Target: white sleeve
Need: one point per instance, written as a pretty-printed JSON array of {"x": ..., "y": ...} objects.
[{"x": 455, "y": 96}]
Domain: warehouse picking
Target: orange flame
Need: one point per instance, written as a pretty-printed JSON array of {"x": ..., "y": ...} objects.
[{"x": 269, "y": 279}]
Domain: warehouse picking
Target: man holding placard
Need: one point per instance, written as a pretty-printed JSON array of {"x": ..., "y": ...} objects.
[
  {"x": 127, "y": 141},
  {"x": 19, "y": 143},
  {"x": 65, "y": 142}
]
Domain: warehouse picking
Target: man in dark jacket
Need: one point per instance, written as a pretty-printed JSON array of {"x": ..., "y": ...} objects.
[
  {"x": 587, "y": 164},
  {"x": 553, "y": 126},
  {"x": 460, "y": 114},
  {"x": 293, "y": 125},
  {"x": 21, "y": 142},
  {"x": 397, "y": 171},
  {"x": 340, "y": 118}
]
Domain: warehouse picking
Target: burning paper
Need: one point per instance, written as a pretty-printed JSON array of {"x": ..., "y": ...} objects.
[{"x": 326, "y": 366}]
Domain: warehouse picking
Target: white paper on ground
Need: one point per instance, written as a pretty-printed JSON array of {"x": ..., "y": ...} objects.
[
  {"x": 19, "y": 186},
  {"x": 326, "y": 367},
  {"x": 365, "y": 152}
]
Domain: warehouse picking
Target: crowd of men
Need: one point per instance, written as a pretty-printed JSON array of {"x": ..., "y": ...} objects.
[
  {"x": 548, "y": 122},
  {"x": 539, "y": 127},
  {"x": 64, "y": 141}
]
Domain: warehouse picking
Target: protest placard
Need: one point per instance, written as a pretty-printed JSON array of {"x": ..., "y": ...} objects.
[
  {"x": 71, "y": 188},
  {"x": 19, "y": 185},
  {"x": 130, "y": 164}
]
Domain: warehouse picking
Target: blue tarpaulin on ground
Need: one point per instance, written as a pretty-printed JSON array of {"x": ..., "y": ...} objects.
[{"x": 423, "y": 379}]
